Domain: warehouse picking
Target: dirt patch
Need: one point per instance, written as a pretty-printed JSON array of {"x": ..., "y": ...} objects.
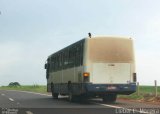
[{"x": 149, "y": 99}]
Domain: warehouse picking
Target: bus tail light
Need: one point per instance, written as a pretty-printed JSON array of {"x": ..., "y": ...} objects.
[
  {"x": 86, "y": 74},
  {"x": 134, "y": 77},
  {"x": 86, "y": 77}
]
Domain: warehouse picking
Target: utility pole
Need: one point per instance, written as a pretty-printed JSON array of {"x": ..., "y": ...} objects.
[
  {"x": 155, "y": 82},
  {"x": 138, "y": 88}
]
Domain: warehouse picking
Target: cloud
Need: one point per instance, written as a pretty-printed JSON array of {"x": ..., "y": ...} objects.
[
  {"x": 10, "y": 54},
  {"x": 153, "y": 28},
  {"x": 147, "y": 64},
  {"x": 21, "y": 62},
  {"x": 32, "y": 30}
]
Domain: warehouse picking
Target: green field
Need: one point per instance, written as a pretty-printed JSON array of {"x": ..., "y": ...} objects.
[
  {"x": 145, "y": 92},
  {"x": 32, "y": 88},
  {"x": 148, "y": 89}
]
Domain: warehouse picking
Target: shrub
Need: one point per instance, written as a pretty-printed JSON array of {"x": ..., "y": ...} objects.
[{"x": 14, "y": 84}]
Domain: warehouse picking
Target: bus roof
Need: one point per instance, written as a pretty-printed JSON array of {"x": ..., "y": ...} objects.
[
  {"x": 93, "y": 37},
  {"x": 109, "y": 36}
]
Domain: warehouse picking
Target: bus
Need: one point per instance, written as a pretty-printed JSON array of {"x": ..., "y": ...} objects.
[{"x": 99, "y": 66}]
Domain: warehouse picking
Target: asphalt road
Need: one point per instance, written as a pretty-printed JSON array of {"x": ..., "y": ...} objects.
[{"x": 17, "y": 102}]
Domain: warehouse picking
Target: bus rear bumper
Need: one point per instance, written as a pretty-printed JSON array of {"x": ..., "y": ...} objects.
[{"x": 125, "y": 89}]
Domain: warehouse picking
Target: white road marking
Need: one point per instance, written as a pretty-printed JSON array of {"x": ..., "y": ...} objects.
[
  {"x": 29, "y": 112},
  {"x": 3, "y": 94},
  {"x": 30, "y": 92},
  {"x": 117, "y": 107},
  {"x": 11, "y": 99},
  {"x": 108, "y": 105}
]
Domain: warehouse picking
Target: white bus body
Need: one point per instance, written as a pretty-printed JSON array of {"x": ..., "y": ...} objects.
[{"x": 99, "y": 66}]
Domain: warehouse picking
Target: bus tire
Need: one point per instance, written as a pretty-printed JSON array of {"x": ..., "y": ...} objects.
[
  {"x": 72, "y": 98},
  {"x": 109, "y": 98},
  {"x": 54, "y": 95}
]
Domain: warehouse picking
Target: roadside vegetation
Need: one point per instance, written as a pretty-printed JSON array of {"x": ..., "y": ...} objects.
[
  {"x": 146, "y": 93},
  {"x": 31, "y": 88}
]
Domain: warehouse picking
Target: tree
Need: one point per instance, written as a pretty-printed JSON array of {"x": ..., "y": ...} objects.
[{"x": 14, "y": 84}]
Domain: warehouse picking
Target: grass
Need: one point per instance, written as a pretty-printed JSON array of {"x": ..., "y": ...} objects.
[
  {"x": 31, "y": 88},
  {"x": 145, "y": 92},
  {"x": 148, "y": 89},
  {"x": 133, "y": 96}
]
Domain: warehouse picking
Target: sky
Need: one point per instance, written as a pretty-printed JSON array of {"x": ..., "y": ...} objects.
[{"x": 30, "y": 30}]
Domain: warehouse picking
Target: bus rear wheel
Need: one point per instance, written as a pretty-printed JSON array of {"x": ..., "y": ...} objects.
[
  {"x": 73, "y": 98},
  {"x": 109, "y": 98},
  {"x": 54, "y": 95}
]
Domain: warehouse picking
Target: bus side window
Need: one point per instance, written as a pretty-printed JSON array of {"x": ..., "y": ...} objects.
[
  {"x": 65, "y": 58},
  {"x": 81, "y": 54},
  {"x": 77, "y": 55},
  {"x": 60, "y": 61}
]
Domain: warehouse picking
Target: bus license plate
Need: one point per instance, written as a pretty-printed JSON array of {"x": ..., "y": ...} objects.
[{"x": 111, "y": 88}]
